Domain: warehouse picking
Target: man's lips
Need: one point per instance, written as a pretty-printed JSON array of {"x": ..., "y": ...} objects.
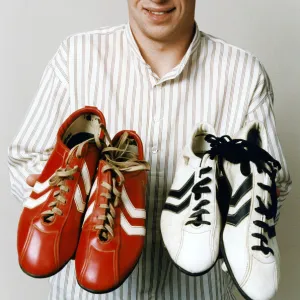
[{"x": 160, "y": 11}]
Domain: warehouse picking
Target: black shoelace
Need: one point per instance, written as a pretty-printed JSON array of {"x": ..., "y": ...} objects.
[
  {"x": 239, "y": 151},
  {"x": 198, "y": 189}
]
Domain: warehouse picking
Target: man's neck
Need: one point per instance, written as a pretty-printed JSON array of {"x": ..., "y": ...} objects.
[{"x": 163, "y": 56}]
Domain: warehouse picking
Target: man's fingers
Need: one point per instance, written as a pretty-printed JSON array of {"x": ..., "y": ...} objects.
[
  {"x": 278, "y": 192},
  {"x": 31, "y": 179}
]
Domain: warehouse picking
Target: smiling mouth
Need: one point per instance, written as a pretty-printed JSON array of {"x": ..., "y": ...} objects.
[{"x": 160, "y": 12}]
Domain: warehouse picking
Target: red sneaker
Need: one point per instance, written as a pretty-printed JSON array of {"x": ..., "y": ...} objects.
[
  {"x": 50, "y": 222},
  {"x": 113, "y": 232}
]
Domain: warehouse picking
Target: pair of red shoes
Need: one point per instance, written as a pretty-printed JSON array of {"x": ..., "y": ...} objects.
[{"x": 88, "y": 203}]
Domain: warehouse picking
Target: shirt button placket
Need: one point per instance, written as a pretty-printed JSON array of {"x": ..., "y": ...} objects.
[
  {"x": 154, "y": 149},
  {"x": 157, "y": 118}
]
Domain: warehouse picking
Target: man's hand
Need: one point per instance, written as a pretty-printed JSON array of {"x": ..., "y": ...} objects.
[
  {"x": 278, "y": 192},
  {"x": 31, "y": 179}
]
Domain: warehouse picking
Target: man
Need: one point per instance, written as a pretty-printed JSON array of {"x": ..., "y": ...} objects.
[{"x": 159, "y": 75}]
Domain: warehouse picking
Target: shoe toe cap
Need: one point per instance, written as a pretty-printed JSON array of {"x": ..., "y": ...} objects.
[
  {"x": 38, "y": 257},
  {"x": 196, "y": 254},
  {"x": 96, "y": 272},
  {"x": 171, "y": 233},
  {"x": 262, "y": 282}
]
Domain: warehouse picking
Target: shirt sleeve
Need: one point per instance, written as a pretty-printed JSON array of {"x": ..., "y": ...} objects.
[
  {"x": 261, "y": 109},
  {"x": 32, "y": 146}
]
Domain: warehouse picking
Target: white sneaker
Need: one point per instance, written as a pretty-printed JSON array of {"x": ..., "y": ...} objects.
[
  {"x": 190, "y": 221},
  {"x": 248, "y": 243}
]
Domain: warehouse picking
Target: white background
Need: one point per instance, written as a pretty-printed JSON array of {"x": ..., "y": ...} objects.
[{"x": 31, "y": 31}]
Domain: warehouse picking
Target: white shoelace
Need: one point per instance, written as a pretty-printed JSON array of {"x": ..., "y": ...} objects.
[
  {"x": 62, "y": 174},
  {"x": 119, "y": 159}
]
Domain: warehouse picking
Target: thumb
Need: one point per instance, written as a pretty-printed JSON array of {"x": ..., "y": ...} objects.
[
  {"x": 278, "y": 192},
  {"x": 32, "y": 178}
]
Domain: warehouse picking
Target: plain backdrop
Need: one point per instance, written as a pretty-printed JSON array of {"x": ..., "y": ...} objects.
[{"x": 31, "y": 31}]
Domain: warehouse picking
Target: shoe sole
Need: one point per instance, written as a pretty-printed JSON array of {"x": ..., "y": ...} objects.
[{"x": 113, "y": 288}]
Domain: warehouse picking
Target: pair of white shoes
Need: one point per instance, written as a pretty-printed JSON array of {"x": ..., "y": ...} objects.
[{"x": 191, "y": 223}]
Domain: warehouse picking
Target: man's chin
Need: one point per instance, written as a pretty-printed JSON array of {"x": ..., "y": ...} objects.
[{"x": 160, "y": 33}]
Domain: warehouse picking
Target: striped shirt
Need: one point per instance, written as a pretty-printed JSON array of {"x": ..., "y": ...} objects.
[{"x": 214, "y": 82}]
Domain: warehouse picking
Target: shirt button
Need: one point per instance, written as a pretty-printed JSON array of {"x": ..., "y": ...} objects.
[
  {"x": 157, "y": 119},
  {"x": 154, "y": 149}
]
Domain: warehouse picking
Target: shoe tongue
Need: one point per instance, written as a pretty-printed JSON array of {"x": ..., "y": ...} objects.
[
  {"x": 251, "y": 132},
  {"x": 193, "y": 160},
  {"x": 205, "y": 158},
  {"x": 197, "y": 162},
  {"x": 131, "y": 148},
  {"x": 195, "y": 150}
]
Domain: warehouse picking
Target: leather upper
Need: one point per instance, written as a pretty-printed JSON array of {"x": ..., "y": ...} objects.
[
  {"x": 193, "y": 248},
  {"x": 256, "y": 273},
  {"x": 45, "y": 247},
  {"x": 102, "y": 266}
]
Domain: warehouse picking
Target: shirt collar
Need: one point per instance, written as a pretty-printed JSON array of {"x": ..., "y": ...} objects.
[{"x": 177, "y": 69}]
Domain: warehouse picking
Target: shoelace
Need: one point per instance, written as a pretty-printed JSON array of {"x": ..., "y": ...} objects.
[
  {"x": 238, "y": 151},
  {"x": 198, "y": 189},
  {"x": 119, "y": 159},
  {"x": 269, "y": 213},
  {"x": 63, "y": 174}
]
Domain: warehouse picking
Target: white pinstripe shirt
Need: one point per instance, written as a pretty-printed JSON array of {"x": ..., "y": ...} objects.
[{"x": 215, "y": 82}]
